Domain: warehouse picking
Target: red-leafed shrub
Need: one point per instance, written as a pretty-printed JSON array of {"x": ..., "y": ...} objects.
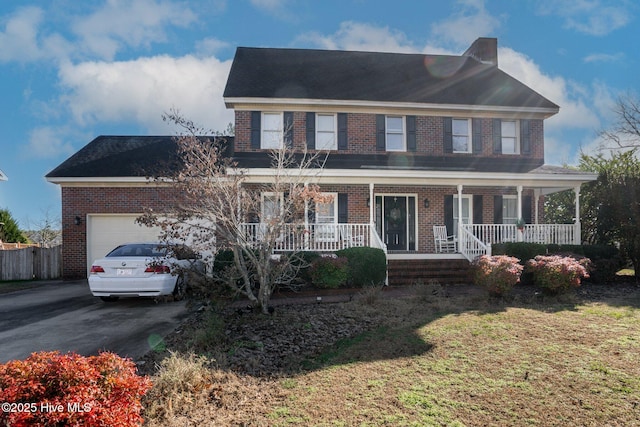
[
  {"x": 556, "y": 273},
  {"x": 53, "y": 389},
  {"x": 497, "y": 274}
]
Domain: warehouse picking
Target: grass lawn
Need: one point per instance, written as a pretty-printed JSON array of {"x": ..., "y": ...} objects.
[{"x": 449, "y": 361}]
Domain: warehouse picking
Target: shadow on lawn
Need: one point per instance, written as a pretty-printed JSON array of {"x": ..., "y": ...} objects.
[{"x": 375, "y": 327}]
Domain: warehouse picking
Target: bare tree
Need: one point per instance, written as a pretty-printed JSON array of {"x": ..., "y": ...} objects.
[
  {"x": 216, "y": 205},
  {"x": 46, "y": 231},
  {"x": 625, "y": 132}
]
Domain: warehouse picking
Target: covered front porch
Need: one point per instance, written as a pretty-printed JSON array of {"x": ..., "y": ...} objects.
[{"x": 399, "y": 211}]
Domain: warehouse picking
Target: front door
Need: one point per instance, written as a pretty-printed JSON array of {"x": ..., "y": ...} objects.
[{"x": 395, "y": 221}]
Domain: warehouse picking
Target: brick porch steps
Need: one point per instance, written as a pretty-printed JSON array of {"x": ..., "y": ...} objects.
[{"x": 445, "y": 271}]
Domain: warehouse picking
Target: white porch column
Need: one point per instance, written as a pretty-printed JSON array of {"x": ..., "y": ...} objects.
[
  {"x": 519, "y": 233},
  {"x": 459, "y": 210},
  {"x": 577, "y": 231},
  {"x": 519, "y": 189},
  {"x": 306, "y": 219},
  {"x": 372, "y": 204},
  {"x": 536, "y": 197}
]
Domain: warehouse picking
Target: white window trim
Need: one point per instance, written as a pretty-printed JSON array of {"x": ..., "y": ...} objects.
[
  {"x": 280, "y": 131},
  {"x": 334, "y": 145},
  {"x": 517, "y": 137},
  {"x": 404, "y": 133},
  {"x": 468, "y": 135},
  {"x": 335, "y": 208}
]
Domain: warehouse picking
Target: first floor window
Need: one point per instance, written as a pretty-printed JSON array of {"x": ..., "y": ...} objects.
[
  {"x": 271, "y": 206},
  {"x": 326, "y": 213},
  {"x": 395, "y": 133},
  {"x": 461, "y": 131},
  {"x": 509, "y": 209},
  {"x": 272, "y": 132},
  {"x": 509, "y": 129}
]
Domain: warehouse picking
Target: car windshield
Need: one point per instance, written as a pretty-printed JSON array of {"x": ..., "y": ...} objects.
[{"x": 139, "y": 249}]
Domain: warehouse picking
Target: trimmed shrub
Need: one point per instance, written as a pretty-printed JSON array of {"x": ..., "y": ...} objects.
[
  {"x": 497, "y": 274},
  {"x": 367, "y": 266},
  {"x": 329, "y": 272},
  {"x": 605, "y": 259},
  {"x": 51, "y": 389},
  {"x": 302, "y": 261},
  {"x": 556, "y": 273}
]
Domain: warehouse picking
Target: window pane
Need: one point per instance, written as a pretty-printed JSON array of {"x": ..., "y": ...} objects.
[
  {"x": 508, "y": 145},
  {"x": 272, "y": 121},
  {"x": 460, "y": 127},
  {"x": 325, "y": 123},
  {"x": 325, "y": 141},
  {"x": 394, "y": 124},
  {"x": 460, "y": 143},
  {"x": 508, "y": 128},
  {"x": 395, "y": 142}
]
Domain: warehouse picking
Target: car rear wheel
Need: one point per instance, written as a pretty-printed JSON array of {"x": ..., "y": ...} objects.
[
  {"x": 109, "y": 299},
  {"x": 180, "y": 289}
]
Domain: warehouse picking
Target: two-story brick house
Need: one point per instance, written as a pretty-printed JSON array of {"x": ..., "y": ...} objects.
[{"x": 414, "y": 141}]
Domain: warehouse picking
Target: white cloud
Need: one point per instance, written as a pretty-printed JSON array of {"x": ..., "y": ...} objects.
[
  {"x": 47, "y": 141},
  {"x": 140, "y": 91},
  {"x": 133, "y": 23},
  {"x": 603, "y": 57},
  {"x": 19, "y": 37},
  {"x": 361, "y": 36},
  {"x": 211, "y": 46},
  {"x": 471, "y": 21},
  {"x": 574, "y": 112},
  {"x": 588, "y": 16}
]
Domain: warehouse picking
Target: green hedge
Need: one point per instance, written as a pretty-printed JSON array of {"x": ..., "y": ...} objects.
[
  {"x": 329, "y": 272},
  {"x": 605, "y": 260},
  {"x": 366, "y": 266}
]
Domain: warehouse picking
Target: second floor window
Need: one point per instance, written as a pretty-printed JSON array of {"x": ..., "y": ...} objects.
[
  {"x": 272, "y": 131},
  {"x": 326, "y": 132},
  {"x": 395, "y": 133},
  {"x": 461, "y": 135},
  {"x": 510, "y": 144}
]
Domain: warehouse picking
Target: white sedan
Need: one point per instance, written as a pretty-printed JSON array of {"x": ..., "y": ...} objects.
[{"x": 141, "y": 270}]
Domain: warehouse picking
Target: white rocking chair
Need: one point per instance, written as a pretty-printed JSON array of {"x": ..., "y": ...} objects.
[{"x": 444, "y": 243}]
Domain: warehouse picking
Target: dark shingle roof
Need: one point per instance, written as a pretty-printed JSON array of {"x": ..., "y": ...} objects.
[
  {"x": 372, "y": 76},
  {"x": 123, "y": 156},
  {"x": 119, "y": 156}
]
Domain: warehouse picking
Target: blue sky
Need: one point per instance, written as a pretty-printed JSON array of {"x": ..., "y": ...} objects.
[{"x": 72, "y": 70}]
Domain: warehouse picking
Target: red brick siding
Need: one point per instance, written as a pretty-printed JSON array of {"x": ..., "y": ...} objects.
[
  {"x": 362, "y": 135},
  {"x": 81, "y": 201}
]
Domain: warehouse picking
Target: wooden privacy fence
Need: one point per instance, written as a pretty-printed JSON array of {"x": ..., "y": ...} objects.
[{"x": 31, "y": 263}]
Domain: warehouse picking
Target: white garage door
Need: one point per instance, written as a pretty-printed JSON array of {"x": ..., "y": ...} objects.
[{"x": 105, "y": 232}]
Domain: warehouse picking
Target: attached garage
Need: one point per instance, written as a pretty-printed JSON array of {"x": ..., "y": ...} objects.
[{"x": 106, "y": 231}]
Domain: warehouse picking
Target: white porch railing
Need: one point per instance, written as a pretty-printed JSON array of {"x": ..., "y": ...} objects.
[
  {"x": 312, "y": 237},
  {"x": 488, "y": 234},
  {"x": 470, "y": 246}
]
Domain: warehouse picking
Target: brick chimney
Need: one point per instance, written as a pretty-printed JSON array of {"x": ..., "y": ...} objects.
[{"x": 485, "y": 50}]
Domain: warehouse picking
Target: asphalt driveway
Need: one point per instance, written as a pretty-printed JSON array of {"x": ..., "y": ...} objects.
[{"x": 65, "y": 316}]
